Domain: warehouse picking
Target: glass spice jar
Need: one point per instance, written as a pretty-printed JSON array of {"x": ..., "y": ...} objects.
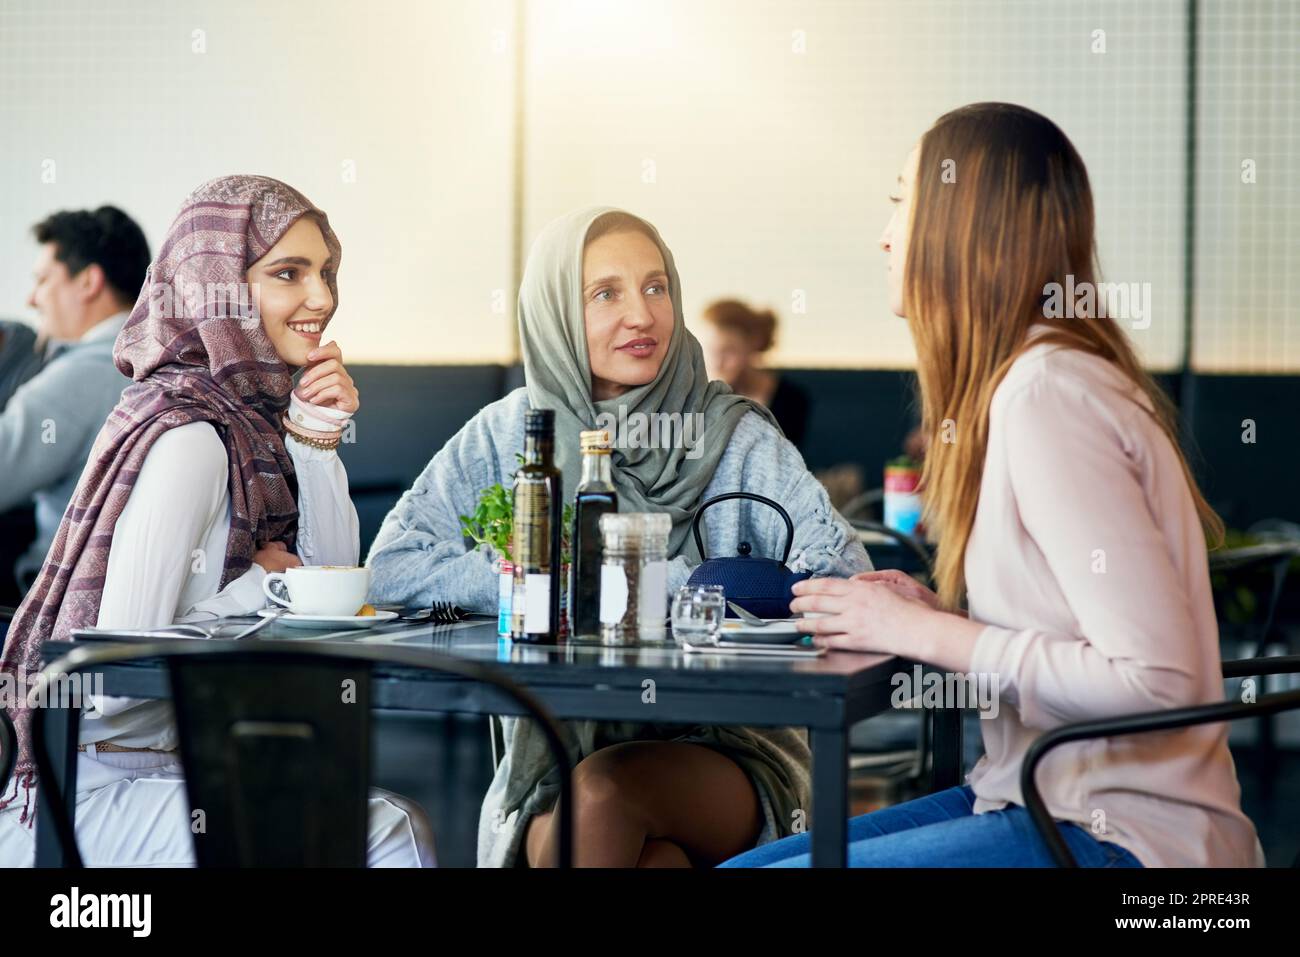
[{"x": 634, "y": 578}]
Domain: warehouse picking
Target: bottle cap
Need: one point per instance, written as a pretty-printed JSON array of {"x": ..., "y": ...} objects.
[
  {"x": 638, "y": 525},
  {"x": 594, "y": 440}
]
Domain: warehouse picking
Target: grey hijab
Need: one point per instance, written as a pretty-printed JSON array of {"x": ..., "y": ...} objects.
[{"x": 651, "y": 475}]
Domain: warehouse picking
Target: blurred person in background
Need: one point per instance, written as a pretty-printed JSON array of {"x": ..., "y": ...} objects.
[
  {"x": 735, "y": 337},
  {"x": 20, "y": 357},
  {"x": 89, "y": 270}
]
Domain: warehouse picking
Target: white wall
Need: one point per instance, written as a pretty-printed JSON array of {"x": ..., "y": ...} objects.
[
  {"x": 776, "y": 130},
  {"x": 417, "y": 95},
  {"x": 762, "y": 137},
  {"x": 1247, "y": 300}
]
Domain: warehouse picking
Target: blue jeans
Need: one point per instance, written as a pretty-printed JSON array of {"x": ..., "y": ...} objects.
[{"x": 943, "y": 830}]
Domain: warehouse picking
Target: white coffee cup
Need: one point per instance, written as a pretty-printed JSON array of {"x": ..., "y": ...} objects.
[{"x": 320, "y": 589}]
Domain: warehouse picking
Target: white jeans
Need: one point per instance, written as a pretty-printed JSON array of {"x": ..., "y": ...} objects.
[{"x": 132, "y": 811}]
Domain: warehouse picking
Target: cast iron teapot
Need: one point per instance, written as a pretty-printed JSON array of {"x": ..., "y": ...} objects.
[{"x": 761, "y": 586}]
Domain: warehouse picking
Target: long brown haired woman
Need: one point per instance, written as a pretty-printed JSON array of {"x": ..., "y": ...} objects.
[{"x": 1066, "y": 516}]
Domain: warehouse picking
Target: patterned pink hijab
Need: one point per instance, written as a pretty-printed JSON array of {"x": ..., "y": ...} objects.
[{"x": 197, "y": 353}]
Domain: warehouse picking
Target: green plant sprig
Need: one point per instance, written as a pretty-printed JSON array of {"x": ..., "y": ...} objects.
[{"x": 493, "y": 522}]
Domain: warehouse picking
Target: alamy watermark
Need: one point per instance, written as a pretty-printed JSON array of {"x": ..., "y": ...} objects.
[
  {"x": 61, "y": 691},
  {"x": 1129, "y": 301},
  {"x": 132, "y": 912},
  {"x": 934, "y": 689},
  {"x": 654, "y": 430},
  {"x": 199, "y": 300}
]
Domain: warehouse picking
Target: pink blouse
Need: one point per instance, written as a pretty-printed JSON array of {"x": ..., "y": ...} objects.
[{"x": 1088, "y": 564}]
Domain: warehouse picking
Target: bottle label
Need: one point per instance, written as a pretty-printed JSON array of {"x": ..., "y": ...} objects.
[
  {"x": 613, "y": 594},
  {"x": 903, "y": 511},
  {"x": 532, "y": 531},
  {"x": 902, "y": 480},
  {"x": 537, "y": 604},
  {"x": 652, "y": 602},
  {"x": 505, "y": 593}
]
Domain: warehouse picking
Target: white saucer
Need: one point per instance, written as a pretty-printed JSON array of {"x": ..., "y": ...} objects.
[
  {"x": 778, "y": 631},
  {"x": 773, "y": 626},
  {"x": 329, "y": 621}
]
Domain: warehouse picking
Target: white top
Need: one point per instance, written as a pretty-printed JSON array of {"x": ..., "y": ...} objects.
[
  {"x": 169, "y": 549},
  {"x": 1088, "y": 561}
]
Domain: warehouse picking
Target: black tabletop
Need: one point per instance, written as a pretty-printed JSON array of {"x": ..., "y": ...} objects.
[{"x": 477, "y": 640}]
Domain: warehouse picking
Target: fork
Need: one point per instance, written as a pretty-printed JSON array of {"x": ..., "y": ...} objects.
[{"x": 441, "y": 612}]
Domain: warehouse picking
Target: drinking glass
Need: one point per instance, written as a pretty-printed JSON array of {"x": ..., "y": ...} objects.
[{"x": 697, "y": 614}]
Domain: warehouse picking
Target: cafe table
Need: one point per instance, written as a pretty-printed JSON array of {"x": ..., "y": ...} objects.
[{"x": 658, "y": 683}]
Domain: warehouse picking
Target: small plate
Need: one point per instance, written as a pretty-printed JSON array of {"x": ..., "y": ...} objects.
[
  {"x": 329, "y": 621},
  {"x": 780, "y": 631},
  {"x": 730, "y": 648}
]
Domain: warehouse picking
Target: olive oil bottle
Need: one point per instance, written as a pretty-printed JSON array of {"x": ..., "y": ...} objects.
[
  {"x": 595, "y": 497},
  {"x": 538, "y": 492}
]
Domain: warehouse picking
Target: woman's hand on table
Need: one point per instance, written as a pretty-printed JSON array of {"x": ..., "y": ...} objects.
[
  {"x": 876, "y": 612},
  {"x": 274, "y": 557},
  {"x": 902, "y": 583},
  {"x": 326, "y": 382},
  {"x": 858, "y": 614}
]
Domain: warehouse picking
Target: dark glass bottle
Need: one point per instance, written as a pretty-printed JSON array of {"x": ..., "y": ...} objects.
[
  {"x": 538, "y": 505},
  {"x": 595, "y": 497}
]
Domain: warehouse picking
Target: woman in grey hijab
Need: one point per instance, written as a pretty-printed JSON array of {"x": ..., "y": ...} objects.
[{"x": 604, "y": 341}]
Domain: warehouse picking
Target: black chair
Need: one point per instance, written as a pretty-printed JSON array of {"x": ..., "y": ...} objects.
[
  {"x": 275, "y": 745},
  {"x": 915, "y": 550},
  {"x": 913, "y": 556},
  {"x": 1270, "y": 561},
  {"x": 863, "y": 507},
  {"x": 1146, "y": 722},
  {"x": 1274, "y": 559}
]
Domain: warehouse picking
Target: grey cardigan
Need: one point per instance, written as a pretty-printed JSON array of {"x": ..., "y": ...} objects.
[
  {"x": 49, "y": 427},
  {"x": 420, "y": 555}
]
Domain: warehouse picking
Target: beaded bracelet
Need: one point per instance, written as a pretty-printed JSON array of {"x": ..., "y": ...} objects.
[
  {"x": 314, "y": 443},
  {"x": 313, "y": 433},
  {"x": 310, "y": 437}
]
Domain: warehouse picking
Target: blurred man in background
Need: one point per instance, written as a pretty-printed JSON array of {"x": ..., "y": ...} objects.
[{"x": 88, "y": 273}]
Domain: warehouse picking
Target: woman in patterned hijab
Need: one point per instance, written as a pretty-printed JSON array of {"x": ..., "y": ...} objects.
[{"x": 199, "y": 350}]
